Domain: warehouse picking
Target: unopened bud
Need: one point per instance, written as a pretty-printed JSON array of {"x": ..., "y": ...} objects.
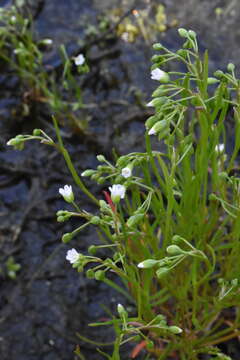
[
  {"x": 231, "y": 67},
  {"x": 135, "y": 219},
  {"x": 162, "y": 272},
  {"x": 37, "y": 132},
  {"x": 157, "y": 46},
  {"x": 88, "y": 172},
  {"x": 183, "y": 32},
  {"x": 175, "y": 329},
  {"x": 95, "y": 220},
  {"x": 67, "y": 237},
  {"x": 99, "y": 275},
  {"x": 212, "y": 80},
  {"x": 147, "y": 264},
  {"x": 174, "y": 250},
  {"x": 101, "y": 158}
]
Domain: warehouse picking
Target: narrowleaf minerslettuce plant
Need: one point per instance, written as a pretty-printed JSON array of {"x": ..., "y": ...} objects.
[
  {"x": 23, "y": 54},
  {"x": 171, "y": 220}
]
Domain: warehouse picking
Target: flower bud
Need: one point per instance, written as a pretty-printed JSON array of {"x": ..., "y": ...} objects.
[
  {"x": 37, "y": 132},
  {"x": 161, "y": 272},
  {"x": 234, "y": 282},
  {"x": 212, "y": 80},
  {"x": 151, "y": 121},
  {"x": 175, "y": 329},
  {"x": 231, "y": 67},
  {"x": 88, "y": 172},
  {"x": 92, "y": 249},
  {"x": 95, "y": 220},
  {"x": 161, "y": 90},
  {"x": 174, "y": 250},
  {"x": 99, "y": 275},
  {"x": 67, "y": 237},
  {"x": 183, "y": 32},
  {"x": 147, "y": 264},
  {"x": 158, "y": 127},
  {"x": 121, "y": 311},
  {"x": 135, "y": 219},
  {"x": 90, "y": 274},
  {"x": 159, "y": 75},
  {"x": 157, "y": 46},
  {"x": 192, "y": 34},
  {"x": 219, "y": 74},
  {"x": 101, "y": 158},
  {"x": 177, "y": 239}
]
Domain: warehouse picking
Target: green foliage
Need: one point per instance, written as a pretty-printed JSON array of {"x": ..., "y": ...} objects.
[
  {"x": 24, "y": 55},
  {"x": 174, "y": 236}
]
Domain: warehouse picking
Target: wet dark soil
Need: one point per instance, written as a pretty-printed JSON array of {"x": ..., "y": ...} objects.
[{"x": 48, "y": 303}]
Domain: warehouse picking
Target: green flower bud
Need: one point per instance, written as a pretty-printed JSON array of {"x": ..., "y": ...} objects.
[
  {"x": 135, "y": 219},
  {"x": 99, "y": 275},
  {"x": 183, "y": 32},
  {"x": 95, "y": 220},
  {"x": 101, "y": 180},
  {"x": 219, "y": 74},
  {"x": 177, "y": 239},
  {"x": 174, "y": 250},
  {"x": 92, "y": 250},
  {"x": 67, "y": 237},
  {"x": 192, "y": 34},
  {"x": 88, "y": 172},
  {"x": 223, "y": 175},
  {"x": 122, "y": 160},
  {"x": 101, "y": 158},
  {"x": 182, "y": 53},
  {"x": 160, "y": 126},
  {"x": 162, "y": 272},
  {"x": 60, "y": 219},
  {"x": 121, "y": 311},
  {"x": 231, "y": 67},
  {"x": 147, "y": 264},
  {"x": 152, "y": 120},
  {"x": 175, "y": 329},
  {"x": 90, "y": 274},
  {"x": 212, "y": 197},
  {"x": 234, "y": 282},
  {"x": 157, "y": 46},
  {"x": 161, "y": 90},
  {"x": 37, "y": 132},
  {"x": 212, "y": 80},
  {"x": 156, "y": 58}
]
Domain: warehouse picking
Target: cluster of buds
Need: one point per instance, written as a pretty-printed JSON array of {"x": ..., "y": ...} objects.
[
  {"x": 18, "y": 141},
  {"x": 176, "y": 256},
  {"x": 108, "y": 171}
]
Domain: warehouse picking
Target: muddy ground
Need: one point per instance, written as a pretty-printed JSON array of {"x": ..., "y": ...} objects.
[{"x": 48, "y": 303}]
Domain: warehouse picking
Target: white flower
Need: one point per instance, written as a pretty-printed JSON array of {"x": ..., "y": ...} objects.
[
  {"x": 159, "y": 75},
  {"x": 125, "y": 36},
  {"x": 72, "y": 256},
  {"x": 47, "y": 41},
  {"x": 117, "y": 192},
  {"x": 126, "y": 172},
  {"x": 220, "y": 148},
  {"x": 152, "y": 131},
  {"x": 67, "y": 193},
  {"x": 150, "y": 103},
  {"x": 160, "y": 126},
  {"x": 79, "y": 60}
]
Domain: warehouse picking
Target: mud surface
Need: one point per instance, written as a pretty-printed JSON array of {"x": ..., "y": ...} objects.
[{"x": 48, "y": 303}]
